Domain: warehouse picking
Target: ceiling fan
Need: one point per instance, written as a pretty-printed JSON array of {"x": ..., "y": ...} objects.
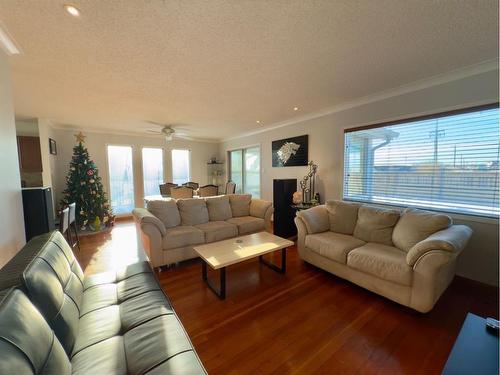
[{"x": 168, "y": 131}]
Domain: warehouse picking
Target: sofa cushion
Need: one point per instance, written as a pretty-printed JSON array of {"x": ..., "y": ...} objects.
[
  {"x": 342, "y": 216},
  {"x": 240, "y": 204},
  {"x": 334, "y": 246},
  {"x": 27, "y": 344},
  {"x": 376, "y": 224},
  {"x": 116, "y": 319},
  {"x": 416, "y": 225},
  {"x": 181, "y": 236},
  {"x": 166, "y": 211},
  {"x": 382, "y": 261},
  {"x": 248, "y": 224},
  {"x": 105, "y": 357},
  {"x": 259, "y": 207},
  {"x": 103, "y": 295},
  {"x": 193, "y": 211},
  {"x": 54, "y": 283},
  {"x": 219, "y": 208},
  {"x": 218, "y": 230},
  {"x": 151, "y": 344},
  {"x": 316, "y": 219},
  {"x": 116, "y": 276},
  {"x": 155, "y": 342}
]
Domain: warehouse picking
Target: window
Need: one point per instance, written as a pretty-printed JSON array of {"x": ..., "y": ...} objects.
[
  {"x": 447, "y": 162},
  {"x": 121, "y": 179},
  {"x": 236, "y": 169},
  {"x": 244, "y": 170},
  {"x": 181, "y": 171},
  {"x": 152, "y": 170}
]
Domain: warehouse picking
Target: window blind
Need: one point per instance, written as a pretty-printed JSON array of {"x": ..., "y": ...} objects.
[{"x": 447, "y": 162}]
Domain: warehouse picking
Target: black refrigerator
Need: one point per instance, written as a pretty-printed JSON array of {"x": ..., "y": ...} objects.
[
  {"x": 38, "y": 211},
  {"x": 284, "y": 214}
]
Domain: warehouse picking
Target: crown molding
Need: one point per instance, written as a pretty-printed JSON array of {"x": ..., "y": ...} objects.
[
  {"x": 454, "y": 75},
  {"x": 127, "y": 133}
]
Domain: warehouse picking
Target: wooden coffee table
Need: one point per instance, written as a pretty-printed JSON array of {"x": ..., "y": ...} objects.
[{"x": 219, "y": 255}]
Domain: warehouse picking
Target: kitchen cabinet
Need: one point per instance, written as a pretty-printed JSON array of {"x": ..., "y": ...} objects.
[{"x": 30, "y": 156}]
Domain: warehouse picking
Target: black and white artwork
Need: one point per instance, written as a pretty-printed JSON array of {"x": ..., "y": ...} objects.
[{"x": 290, "y": 152}]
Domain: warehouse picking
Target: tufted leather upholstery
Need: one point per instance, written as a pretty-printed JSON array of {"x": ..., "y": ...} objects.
[
  {"x": 113, "y": 323},
  {"x": 27, "y": 344},
  {"x": 54, "y": 282}
]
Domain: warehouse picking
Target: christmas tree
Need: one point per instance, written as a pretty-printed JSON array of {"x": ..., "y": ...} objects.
[{"x": 84, "y": 187}]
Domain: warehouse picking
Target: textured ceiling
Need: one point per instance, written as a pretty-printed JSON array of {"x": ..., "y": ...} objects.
[{"x": 218, "y": 66}]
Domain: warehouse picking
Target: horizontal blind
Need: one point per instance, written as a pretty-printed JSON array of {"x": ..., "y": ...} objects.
[{"x": 446, "y": 163}]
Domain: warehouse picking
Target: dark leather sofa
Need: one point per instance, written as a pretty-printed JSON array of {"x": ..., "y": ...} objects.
[{"x": 53, "y": 320}]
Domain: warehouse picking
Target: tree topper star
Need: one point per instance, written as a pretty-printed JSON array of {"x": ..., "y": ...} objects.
[{"x": 80, "y": 138}]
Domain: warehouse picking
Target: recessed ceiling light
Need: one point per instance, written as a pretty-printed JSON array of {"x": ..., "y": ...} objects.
[
  {"x": 71, "y": 9},
  {"x": 295, "y": 108},
  {"x": 258, "y": 122}
]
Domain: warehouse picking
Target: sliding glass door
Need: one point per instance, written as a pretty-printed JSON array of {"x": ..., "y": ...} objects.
[
  {"x": 244, "y": 170},
  {"x": 181, "y": 166},
  {"x": 121, "y": 179},
  {"x": 236, "y": 169},
  {"x": 152, "y": 170}
]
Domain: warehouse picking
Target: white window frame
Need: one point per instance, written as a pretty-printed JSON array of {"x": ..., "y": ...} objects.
[{"x": 461, "y": 215}]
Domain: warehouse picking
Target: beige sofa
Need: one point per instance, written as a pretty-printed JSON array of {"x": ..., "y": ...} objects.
[
  {"x": 168, "y": 229},
  {"x": 407, "y": 256}
]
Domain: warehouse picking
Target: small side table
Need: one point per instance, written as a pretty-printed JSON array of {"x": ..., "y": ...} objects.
[{"x": 475, "y": 351}]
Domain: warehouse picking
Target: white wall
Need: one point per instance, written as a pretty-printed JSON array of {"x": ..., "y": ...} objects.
[
  {"x": 201, "y": 152},
  {"x": 12, "y": 236},
  {"x": 326, "y": 145},
  {"x": 45, "y": 131}
]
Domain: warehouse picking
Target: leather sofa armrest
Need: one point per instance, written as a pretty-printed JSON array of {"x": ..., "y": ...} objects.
[
  {"x": 144, "y": 217},
  {"x": 452, "y": 240}
]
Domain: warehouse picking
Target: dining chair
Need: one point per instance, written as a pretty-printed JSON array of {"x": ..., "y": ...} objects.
[
  {"x": 72, "y": 226},
  {"x": 64, "y": 223},
  {"x": 181, "y": 192},
  {"x": 166, "y": 188},
  {"x": 230, "y": 187},
  {"x": 192, "y": 185},
  {"x": 208, "y": 191}
]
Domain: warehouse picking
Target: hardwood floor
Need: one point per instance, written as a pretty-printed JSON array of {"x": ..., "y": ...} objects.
[{"x": 304, "y": 322}]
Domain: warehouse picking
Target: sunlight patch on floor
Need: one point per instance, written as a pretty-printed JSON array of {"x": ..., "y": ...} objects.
[{"x": 115, "y": 251}]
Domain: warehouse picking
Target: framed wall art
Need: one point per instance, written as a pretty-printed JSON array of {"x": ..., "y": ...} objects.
[{"x": 290, "y": 152}]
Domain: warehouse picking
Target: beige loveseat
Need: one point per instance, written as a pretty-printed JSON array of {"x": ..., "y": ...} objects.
[
  {"x": 407, "y": 256},
  {"x": 168, "y": 229}
]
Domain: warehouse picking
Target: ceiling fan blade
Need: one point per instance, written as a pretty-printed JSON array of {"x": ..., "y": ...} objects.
[
  {"x": 155, "y": 123},
  {"x": 182, "y": 128},
  {"x": 184, "y": 137}
]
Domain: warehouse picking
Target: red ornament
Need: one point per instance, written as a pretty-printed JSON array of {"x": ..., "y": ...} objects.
[{"x": 90, "y": 172}]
